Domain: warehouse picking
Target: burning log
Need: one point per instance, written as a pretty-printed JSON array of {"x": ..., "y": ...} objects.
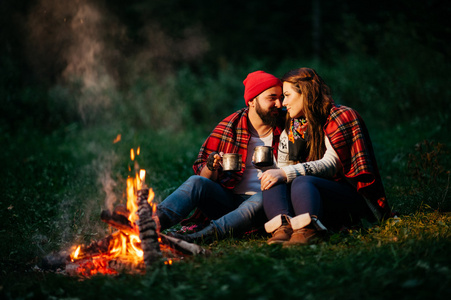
[
  {"x": 123, "y": 250},
  {"x": 118, "y": 220},
  {"x": 147, "y": 230},
  {"x": 100, "y": 246},
  {"x": 57, "y": 260}
]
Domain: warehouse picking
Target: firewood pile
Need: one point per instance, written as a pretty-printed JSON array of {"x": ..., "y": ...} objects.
[{"x": 157, "y": 248}]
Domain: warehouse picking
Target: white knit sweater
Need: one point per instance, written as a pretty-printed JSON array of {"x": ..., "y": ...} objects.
[{"x": 325, "y": 167}]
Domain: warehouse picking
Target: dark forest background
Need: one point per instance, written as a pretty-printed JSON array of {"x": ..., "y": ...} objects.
[{"x": 53, "y": 53}]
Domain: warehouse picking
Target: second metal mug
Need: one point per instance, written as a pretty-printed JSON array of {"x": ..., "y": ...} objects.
[{"x": 263, "y": 156}]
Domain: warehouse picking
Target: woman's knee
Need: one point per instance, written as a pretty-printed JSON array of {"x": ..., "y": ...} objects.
[
  {"x": 303, "y": 183},
  {"x": 304, "y": 180},
  {"x": 305, "y": 194},
  {"x": 276, "y": 192}
]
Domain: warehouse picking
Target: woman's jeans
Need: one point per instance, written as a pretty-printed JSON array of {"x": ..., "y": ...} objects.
[
  {"x": 336, "y": 204},
  {"x": 229, "y": 212}
]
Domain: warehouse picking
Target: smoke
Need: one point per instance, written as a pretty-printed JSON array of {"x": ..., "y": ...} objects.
[
  {"x": 100, "y": 71},
  {"x": 84, "y": 54},
  {"x": 86, "y": 60},
  {"x": 71, "y": 45},
  {"x": 84, "y": 51},
  {"x": 108, "y": 185},
  {"x": 79, "y": 212}
]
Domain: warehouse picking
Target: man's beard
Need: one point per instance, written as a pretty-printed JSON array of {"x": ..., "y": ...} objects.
[{"x": 267, "y": 116}]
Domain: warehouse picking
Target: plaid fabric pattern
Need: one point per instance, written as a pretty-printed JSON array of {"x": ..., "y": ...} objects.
[
  {"x": 349, "y": 137},
  {"x": 231, "y": 135}
]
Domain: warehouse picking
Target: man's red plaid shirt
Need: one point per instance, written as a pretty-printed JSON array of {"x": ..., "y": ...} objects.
[{"x": 231, "y": 135}]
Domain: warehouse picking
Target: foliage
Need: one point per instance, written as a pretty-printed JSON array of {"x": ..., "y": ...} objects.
[
  {"x": 425, "y": 164},
  {"x": 93, "y": 61}
]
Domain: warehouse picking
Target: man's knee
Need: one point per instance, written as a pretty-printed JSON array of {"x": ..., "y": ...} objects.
[
  {"x": 196, "y": 180},
  {"x": 252, "y": 205},
  {"x": 194, "y": 184}
]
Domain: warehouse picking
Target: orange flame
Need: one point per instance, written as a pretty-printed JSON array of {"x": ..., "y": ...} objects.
[
  {"x": 74, "y": 255},
  {"x": 123, "y": 246}
]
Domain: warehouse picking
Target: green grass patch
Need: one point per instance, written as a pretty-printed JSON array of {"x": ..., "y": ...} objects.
[{"x": 56, "y": 181}]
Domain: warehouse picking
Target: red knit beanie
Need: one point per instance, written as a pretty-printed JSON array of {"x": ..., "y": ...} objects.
[{"x": 257, "y": 82}]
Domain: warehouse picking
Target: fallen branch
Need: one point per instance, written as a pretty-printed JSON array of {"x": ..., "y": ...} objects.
[{"x": 183, "y": 246}]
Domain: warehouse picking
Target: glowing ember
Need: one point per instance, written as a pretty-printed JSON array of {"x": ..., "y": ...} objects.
[
  {"x": 132, "y": 154},
  {"x": 97, "y": 265},
  {"x": 168, "y": 262},
  {"x": 117, "y": 139}
]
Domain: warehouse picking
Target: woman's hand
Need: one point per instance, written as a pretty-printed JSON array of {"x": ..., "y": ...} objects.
[{"x": 272, "y": 177}]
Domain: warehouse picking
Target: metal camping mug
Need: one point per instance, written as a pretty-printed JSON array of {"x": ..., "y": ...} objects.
[
  {"x": 263, "y": 156},
  {"x": 231, "y": 162}
]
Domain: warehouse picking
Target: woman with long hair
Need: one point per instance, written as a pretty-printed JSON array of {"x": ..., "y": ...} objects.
[{"x": 328, "y": 176}]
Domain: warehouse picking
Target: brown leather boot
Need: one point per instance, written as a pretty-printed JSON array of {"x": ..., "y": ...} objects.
[
  {"x": 306, "y": 231},
  {"x": 306, "y": 236},
  {"x": 281, "y": 235},
  {"x": 280, "y": 229}
]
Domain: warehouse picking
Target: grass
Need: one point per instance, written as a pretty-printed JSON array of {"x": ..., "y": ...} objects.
[
  {"x": 56, "y": 182},
  {"x": 53, "y": 200},
  {"x": 407, "y": 260}
]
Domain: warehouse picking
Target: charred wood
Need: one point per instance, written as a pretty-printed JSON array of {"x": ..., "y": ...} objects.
[
  {"x": 98, "y": 247},
  {"x": 147, "y": 230},
  {"x": 54, "y": 261},
  {"x": 118, "y": 221}
]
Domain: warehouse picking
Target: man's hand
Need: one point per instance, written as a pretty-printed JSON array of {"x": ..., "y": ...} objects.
[
  {"x": 272, "y": 177},
  {"x": 214, "y": 161}
]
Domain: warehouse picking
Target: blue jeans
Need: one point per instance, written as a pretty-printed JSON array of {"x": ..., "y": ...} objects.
[
  {"x": 336, "y": 204},
  {"x": 229, "y": 212}
]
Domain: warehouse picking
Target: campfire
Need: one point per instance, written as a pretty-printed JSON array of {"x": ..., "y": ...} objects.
[{"x": 136, "y": 243}]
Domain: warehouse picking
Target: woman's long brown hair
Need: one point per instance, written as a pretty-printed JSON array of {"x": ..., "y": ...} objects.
[{"x": 317, "y": 104}]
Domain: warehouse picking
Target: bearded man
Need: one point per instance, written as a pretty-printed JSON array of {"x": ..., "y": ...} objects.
[{"x": 230, "y": 200}]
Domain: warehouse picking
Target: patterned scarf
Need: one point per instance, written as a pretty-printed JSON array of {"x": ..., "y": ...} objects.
[{"x": 297, "y": 137}]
